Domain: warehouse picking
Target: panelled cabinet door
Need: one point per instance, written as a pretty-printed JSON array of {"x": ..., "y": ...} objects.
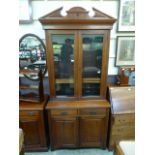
[
  {"x": 92, "y": 132},
  {"x": 64, "y": 132},
  {"x": 32, "y": 132}
]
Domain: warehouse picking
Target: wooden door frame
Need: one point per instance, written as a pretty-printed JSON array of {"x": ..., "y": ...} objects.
[
  {"x": 105, "y": 56},
  {"x": 50, "y": 59}
]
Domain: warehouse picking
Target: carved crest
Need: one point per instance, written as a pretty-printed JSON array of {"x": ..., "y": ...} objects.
[{"x": 76, "y": 16}]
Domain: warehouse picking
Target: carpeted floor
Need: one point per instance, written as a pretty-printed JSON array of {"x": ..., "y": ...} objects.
[{"x": 74, "y": 152}]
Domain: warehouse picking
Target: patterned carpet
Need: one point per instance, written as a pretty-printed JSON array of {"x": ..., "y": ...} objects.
[{"x": 74, "y": 152}]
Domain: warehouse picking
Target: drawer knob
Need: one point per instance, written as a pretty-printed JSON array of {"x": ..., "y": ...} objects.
[
  {"x": 31, "y": 113},
  {"x": 122, "y": 120},
  {"x": 64, "y": 113}
]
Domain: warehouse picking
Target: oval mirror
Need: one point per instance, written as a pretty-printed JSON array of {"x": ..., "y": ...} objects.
[{"x": 32, "y": 56}]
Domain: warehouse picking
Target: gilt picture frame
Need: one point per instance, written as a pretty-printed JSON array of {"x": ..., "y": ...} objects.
[
  {"x": 126, "y": 16},
  {"x": 125, "y": 55}
]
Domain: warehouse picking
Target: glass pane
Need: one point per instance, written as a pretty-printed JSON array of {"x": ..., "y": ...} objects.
[
  {"x": 63, "y": 51},
  {"x": 92, "y": 46}
]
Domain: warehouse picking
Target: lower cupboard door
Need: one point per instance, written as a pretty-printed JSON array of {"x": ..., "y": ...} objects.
[
  {"x": 32, "y": 133},
  {"x": 64, "y": 132},
  {"x": 92, "y": 132}
]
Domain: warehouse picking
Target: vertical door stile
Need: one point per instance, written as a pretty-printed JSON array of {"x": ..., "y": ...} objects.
[
  {"x": 80, "y": 64},
  {"x": 50, "y": 63},
  {"x": 76, "y": 65},
  {"x": 104, "y": 64}
]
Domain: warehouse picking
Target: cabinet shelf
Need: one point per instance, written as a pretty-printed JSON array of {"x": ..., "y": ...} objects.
[
  {"x": 71, "y": 81},
  {"x": 91, "y": 80},
  {"x": 64, "y": 81}
]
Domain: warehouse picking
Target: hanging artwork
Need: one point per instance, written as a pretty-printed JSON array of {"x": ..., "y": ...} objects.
[
  {"x": 125, "y": 51},
  {"x": 126, "y": 15}
]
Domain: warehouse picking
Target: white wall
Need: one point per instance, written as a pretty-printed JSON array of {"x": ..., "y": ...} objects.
[{"x": 42, "y": 7}]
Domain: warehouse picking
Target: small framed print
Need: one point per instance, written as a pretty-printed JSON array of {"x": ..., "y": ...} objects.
[
  {"x": 125, "y": 51},
  {"x": 25, "y": 11},
  {"x": 126, "y": 15}
]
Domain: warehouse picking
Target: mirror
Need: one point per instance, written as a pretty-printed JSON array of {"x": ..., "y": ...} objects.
[{"x": 32, "y": 56}]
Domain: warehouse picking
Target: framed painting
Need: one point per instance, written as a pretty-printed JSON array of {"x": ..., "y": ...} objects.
[
  {"x": 125, "y": 51},
  {"x": 126, "y": 15},
  {"x": 25, "y": 11}
]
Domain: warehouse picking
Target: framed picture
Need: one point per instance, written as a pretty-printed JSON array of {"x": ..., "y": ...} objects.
[
  {"x": 125, "y": 51},
  {"x": 126, "y": 15},
  {"x": 25, "y": 11}
]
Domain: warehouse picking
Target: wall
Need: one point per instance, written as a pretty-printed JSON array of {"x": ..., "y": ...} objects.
[{"x": 42, "y": 7}]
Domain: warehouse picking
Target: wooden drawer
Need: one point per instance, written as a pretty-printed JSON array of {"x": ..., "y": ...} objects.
[
  {"x": 124, "y": 119},
  {"x": 128, "y": 131},
  {"x": 95, "y": 111},
  {"x": 63, "y": 112},
  {"x": 29, "y": 113}
]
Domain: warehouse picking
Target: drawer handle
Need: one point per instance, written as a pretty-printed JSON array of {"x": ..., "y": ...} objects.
[
  {"x": 64, "y": 113},
  {"x": 31, "y": 113},
  {"x": 93, "y": 113},
  {"x": 122, "y": 120},
  {"x": 119, "y": 130}
]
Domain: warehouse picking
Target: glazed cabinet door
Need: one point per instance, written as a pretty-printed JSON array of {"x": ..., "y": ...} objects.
[
  {"x": 93, "y": 56},
  {"x": 64, "y": 132},
  {"x": 62, "y": 62},
  {"x": 77, "y": 62},
  {"x": 92, "y": 132},
  {"x": 34, "y": 132}
]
